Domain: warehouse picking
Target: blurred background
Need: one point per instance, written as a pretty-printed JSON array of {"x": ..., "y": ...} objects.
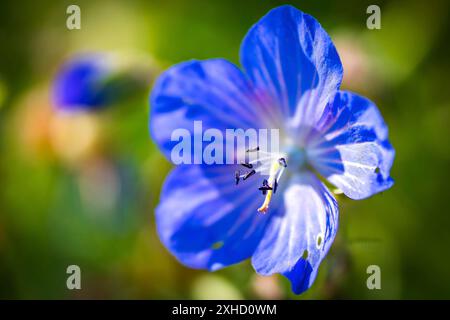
[{"x": 81, "y": 188}]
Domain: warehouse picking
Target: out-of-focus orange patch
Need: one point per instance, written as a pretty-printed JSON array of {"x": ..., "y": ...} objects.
[{"x": 46, "y": 133}]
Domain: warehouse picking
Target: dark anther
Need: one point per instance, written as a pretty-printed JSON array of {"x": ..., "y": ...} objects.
[
  {"x": 275, "y": 186},
  {"x": 265, "y": 187},
  {"x": 253, "y": 149},
  {"x": 282, "y": 161},
  {"x": 237, "y": 177},
  {"x": 247, "y": 165},
  {"x": 249, "y": 174}
]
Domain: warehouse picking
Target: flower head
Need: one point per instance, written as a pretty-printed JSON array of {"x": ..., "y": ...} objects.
[
  {"x": 80, "y": 83},
  {"x": 208, "y": 216},
  {"x": 92, "y": 81}
]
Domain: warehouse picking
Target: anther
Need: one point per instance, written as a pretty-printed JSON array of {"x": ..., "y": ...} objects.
[
  {"x": 263, "y": 190},
  {"x": 249, "y": 174},
  {"x": 265, "y": 187},
  {"x": 275, "y": 186},
  {"x": 282, "y": 162},
  {"x": 247, "y": 165},
  {"x": 237, "y": 177},
  {"x": 253, "y": 149}
]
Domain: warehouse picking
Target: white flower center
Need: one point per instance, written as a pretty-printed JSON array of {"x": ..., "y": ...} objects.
[{"x": 273, "y": 165}]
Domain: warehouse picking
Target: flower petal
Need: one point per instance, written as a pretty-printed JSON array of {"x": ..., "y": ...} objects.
[
  {"x": 214, "y": 91},
  {"x": 207, "y": 221},
  {"x": 291, "y": 57},
  {"x": 298, "y": 237},
  {"x": 353, "y": 151}
]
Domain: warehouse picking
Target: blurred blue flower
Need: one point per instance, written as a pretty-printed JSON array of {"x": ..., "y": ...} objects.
[
  {"x": 291, "y": 82},
  {"x": 80, "y": 83},
  {"x": 91, "y": 81}
]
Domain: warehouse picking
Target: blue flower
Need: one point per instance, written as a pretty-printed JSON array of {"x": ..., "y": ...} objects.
[
  {"x": 290, "y": 81},
  {"x": 80, "y": 83},
  {"x": 91, "y": 81}
]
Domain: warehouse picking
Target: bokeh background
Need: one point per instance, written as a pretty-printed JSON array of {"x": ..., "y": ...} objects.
[{"x": 82, "y": 189}]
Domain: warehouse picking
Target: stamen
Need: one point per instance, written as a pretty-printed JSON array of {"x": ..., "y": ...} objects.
[
  {"x": 257, "y": 149},
  {"x": 247, "y": 165},
  {"x": 282, "y": 161},
  {"x": 253, "y": 149},
  {"x": 265, "y": 187},
  {"x": 249, "y": 174},
  {"x": 237, "y": 177},
  {"x": 275, "y": 186},
  {"x": 269, "y": 164}
]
